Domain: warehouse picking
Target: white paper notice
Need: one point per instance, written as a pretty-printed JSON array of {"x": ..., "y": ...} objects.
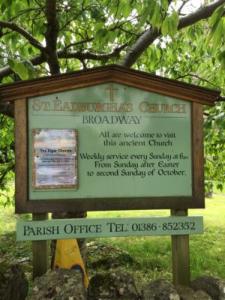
[{"x": 54, "y": 158}]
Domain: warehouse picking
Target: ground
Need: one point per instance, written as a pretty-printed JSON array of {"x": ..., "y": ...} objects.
[{"x": 147, "y": 258}]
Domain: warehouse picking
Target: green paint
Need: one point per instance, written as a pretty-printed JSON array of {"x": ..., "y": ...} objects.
[
  {"x": 112, "y": 227},
  {"x": 121, "y": 132}
]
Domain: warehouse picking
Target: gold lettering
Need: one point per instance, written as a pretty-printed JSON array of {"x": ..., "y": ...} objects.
[
  {"x": 57, "y": 105},
  {"x": 46, "y": 106},
  {"x": 167, "y": 108},
  {"x": 67, "y": 106},
  {"x": 143, "y": 106},
  {"x": 146, "y": 107},
  {"x": 36, "y": 105}
]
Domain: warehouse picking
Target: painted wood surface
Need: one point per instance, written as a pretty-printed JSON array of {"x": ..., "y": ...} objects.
[
  {"x": 180, "y": 254},
  {"x": 40, "y": 251},
  {"x": 112, "y": 227}
]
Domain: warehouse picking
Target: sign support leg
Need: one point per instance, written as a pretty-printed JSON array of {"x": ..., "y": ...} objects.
[
  {"x": 180, "y": 255},
  {"x": 40, "y": 250}
]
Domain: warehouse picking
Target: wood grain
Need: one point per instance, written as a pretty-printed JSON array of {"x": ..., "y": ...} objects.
[
  {"x": 106, "y": 74},
  {"x": 21, "y": 181},
  {"x": 40, "y": 251},
  {"x": 180, "y": 255},
  {"x": 198, "y": 154}
]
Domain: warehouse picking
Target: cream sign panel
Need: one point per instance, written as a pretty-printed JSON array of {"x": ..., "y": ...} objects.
[{"x": 116, "y": 141}]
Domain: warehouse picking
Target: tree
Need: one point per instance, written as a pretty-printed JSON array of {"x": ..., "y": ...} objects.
[{"x": 176, "y": 39}]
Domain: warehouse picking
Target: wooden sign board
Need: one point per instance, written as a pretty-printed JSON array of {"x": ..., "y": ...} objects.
[
  {"x": 107, "y": 227},
  {"x": 108, "y": 139}
]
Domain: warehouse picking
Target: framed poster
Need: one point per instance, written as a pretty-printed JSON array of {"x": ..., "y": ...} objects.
[{"x": 54, "y": 164}]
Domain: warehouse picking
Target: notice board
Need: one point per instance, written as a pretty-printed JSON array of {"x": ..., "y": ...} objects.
[{"x": 109, "y": 139}]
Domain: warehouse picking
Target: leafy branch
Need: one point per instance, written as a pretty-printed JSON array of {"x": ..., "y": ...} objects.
[
  {"x": 150, "y": 35},
  {"x": 66, "y": 54},
  {"x": 23, "y": 32},
  {"x": 199, "y": 78},
  {"x": 90, "y": 55},
  {"x": 208, "y": 82}
]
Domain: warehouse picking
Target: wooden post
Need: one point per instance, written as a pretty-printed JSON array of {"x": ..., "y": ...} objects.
[
  {"x": 180, "y": 255},
  {"x": 40, "y": 250}
]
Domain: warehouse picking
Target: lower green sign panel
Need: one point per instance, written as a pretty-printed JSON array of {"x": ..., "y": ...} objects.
[{"x": 113, "y": 227}]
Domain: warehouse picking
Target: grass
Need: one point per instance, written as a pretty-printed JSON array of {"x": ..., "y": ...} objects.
[{"x": 152, "y": 255}]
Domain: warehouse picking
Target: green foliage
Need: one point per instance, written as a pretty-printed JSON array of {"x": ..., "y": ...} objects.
[
  {"x": 24, "y": 69},
  {"x": 215, "y": 147},
  {"x": 7, "y": 159},
  {"x": 217, "y": 24},
  {"x": 170, "y": 24}
]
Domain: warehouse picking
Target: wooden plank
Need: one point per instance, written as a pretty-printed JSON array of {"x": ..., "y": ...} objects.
[
  {"x": 40, "y": 251},
  {"x": 118, "y": 74},
  {"x": 198, "y": 154},
  {"x": 100, "y": 204},
  {"x": 81, "y": 205},
  {"x": 21, "y": 154},
  {"x": 108, "y": 227},
  {"x": 180, "y": 255}
]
